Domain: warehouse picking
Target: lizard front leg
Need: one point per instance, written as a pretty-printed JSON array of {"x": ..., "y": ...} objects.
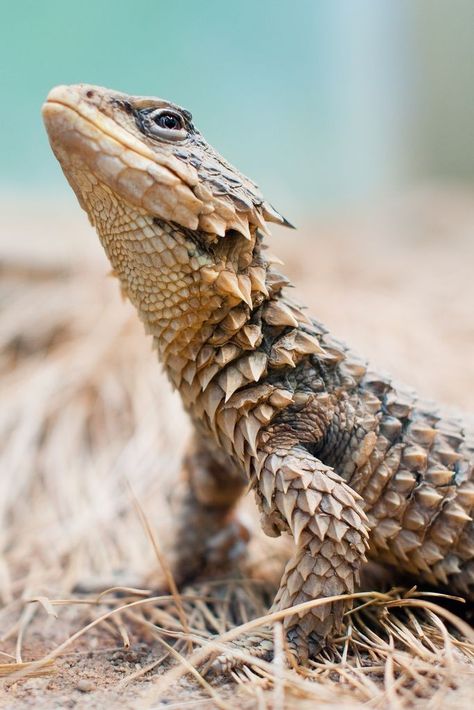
[
  {"x": 208, "y": 535},
  {"x": 299, "y": 494},
  {"x": 296, "y": 493}
]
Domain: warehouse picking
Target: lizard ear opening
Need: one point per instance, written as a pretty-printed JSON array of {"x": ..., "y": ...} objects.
[{"x": 271, "y": 215}]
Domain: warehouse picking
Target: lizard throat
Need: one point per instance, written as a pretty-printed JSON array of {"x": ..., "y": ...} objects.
[{"x": 188, "y": 295}]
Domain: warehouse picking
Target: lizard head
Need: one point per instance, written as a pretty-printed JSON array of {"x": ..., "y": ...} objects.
[{"x": 181, "y": 226}]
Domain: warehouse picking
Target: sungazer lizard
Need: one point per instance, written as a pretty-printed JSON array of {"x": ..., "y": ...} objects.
[{"x": 340, "y": 457}]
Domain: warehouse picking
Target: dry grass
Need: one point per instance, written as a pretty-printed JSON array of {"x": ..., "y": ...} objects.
[{"x": 91, "y": 438}]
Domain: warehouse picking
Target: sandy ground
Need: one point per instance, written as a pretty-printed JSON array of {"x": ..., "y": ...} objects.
[{"x": 87, "y": 416}]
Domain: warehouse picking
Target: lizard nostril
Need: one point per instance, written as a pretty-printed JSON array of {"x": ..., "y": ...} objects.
[{"x": 90, "y": 94}]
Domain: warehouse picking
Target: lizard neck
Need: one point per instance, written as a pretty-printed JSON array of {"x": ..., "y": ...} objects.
[{"x": 224, "y": 331}]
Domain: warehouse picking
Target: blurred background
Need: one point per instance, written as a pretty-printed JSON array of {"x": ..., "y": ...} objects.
[
  {"x": 356, "y": 119},
  {"x": 325, "y": 103}
]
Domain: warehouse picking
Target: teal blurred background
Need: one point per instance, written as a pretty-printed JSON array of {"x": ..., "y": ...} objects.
[{"x": 325, "y": 103}]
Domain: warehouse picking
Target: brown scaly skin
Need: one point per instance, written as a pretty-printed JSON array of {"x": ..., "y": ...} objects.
[{"x": 338, "y": 456}]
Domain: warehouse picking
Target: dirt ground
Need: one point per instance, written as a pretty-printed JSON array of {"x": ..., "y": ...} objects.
[{"x": 91, "y": 437}]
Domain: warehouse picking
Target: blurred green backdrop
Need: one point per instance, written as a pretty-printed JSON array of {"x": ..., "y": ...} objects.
[{"x": 323, "y": 102}]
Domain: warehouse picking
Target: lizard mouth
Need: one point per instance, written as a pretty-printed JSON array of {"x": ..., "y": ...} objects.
[
  {"x": 82, "y": 102},
  {"x": 67, "y": 110}
]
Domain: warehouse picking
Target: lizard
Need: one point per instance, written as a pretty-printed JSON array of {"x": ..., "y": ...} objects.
[{"x": 339, "y": 456}]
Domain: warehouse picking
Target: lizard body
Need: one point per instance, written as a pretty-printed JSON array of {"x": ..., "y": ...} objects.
[{"x": 339, "y": 456}]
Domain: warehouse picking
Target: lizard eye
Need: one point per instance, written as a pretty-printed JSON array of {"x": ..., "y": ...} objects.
[
  {"x": 168, "y": 120},
  {"x": 167, "y": 124}
]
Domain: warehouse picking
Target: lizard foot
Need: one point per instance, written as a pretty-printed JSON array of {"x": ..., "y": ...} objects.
[
  {"x": 256, "y": 645},
  {"x": 298, "y": 649},
  {"x": 227, "y": 546},
  {"x": 206, "y": 555}
]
